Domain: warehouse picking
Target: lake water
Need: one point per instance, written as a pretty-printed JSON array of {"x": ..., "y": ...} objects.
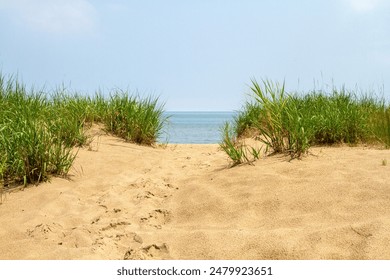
[{"x": 195, "y": 127}]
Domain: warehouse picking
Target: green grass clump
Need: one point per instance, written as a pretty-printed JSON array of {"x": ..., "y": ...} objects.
[
  {"x": 30, "y": 149},
  {"x": 74, "y": 111},
  {"x": 134, "y": 119},
  {"x": 292, "y": 123},
  {"x": 38, "y": 131},
  {"x": 339, "y": 117},
  {"x": 280, "y": 122},
  {"x": 238, "y": 152},
  {"x": 245, "y": 121},
  {"x": 380, "y": 123}
]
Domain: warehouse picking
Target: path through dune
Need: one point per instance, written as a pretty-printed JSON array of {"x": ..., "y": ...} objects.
[{"x": 124, "y": 201}]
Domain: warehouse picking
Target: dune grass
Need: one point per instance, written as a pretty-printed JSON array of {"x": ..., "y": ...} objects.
[
  {"x": 238, "y": 152},
  {"x": 39, "y": 131},
  {"x": 134, "y": 119},
  {"x": 291, "y": 123},
  {"x": 31, "y": 146}
]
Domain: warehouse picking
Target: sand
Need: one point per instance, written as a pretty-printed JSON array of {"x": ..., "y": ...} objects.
[{"x": 124, "y": 201}]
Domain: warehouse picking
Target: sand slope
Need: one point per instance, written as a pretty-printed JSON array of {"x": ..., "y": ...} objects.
[{"x": 183, "y": 202}]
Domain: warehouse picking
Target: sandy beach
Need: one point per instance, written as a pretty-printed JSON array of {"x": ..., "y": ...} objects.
[{"x": 125, "y": 201}]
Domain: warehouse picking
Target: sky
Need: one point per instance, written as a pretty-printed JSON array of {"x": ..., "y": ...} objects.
[{"x": 196, "y": 54}]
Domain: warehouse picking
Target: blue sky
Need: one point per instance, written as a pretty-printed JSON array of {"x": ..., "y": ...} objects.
[{"x": 196, "y": 54}]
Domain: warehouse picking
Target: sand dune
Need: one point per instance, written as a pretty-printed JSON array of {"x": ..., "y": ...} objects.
[{"x": 124, "y": 201}]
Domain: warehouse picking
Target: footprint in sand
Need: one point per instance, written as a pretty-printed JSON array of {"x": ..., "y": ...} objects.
[
  {"x": 116, "y": 243},
  {"x": 75, "y": 237},
  {"x": 155, "y": 189},
  {"x": 46, "y": 231},
  {"x": 113, "y": 225},
  {"x": 150, "y": 252},
  {"x": 157, "y": 218},
  {"x": 145, "y": 195}
]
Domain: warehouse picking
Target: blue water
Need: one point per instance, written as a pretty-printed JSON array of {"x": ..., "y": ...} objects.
[{"x": 194, "y": 127}]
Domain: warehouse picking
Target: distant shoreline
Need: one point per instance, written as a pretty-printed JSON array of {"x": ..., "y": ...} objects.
[{"x": 194, "y": 127}]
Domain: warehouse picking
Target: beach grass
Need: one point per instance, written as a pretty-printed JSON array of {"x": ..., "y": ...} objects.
[
  {"x": 232, "y": 147},
  {"x": 291, "y": 123},
  {"x": 40, "y": 131},
  {"x": 134, "y": 119},
  {"x": 238, "y": 152}
]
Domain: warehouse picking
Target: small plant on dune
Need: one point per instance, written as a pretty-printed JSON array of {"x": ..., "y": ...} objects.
[
  {"x": 272, "y": 100},
  {"x": 280, "y": 123},
  {"x": 232, "y": 149},
  {"x": 237, "y": 152}
]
